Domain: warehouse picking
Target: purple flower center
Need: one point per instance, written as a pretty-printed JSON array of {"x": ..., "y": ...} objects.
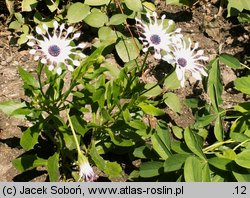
[
  {"x": 54, "y": 50},
  {"x": 182, "y": 62},
  {"x": 155, "y": 39}
]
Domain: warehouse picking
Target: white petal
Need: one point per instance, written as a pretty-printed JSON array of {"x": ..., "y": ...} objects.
[
  {"x": 81, "y": 55},
  {"x": 45, "y": 27},
  {"x": 43, "y": 61},
  {"x": 178, "y": 30},
  {"x": 32, "y": 51},
  {"x": 183, "y": 82},
  {"x": 196, "y": 75},
  {"x": 51, "y": 67},
  {"x": 70, "y": 29},
  {"x": 36, "y": 58},
  {"x": 179, "y": 73},
  {"x": 76, "y": 62},
  {"x": 30, "y": 43},
  {"x": 170, "y": 22},
  {"x": 59, "y": 70},
  {"x": 77, "y": 35},
  {"x": 38, "y": 30},
  {"x": 82, "y": 45},
  {"x": 196, "y": 45},
  {"x": 70, "y": 68},
  {"x": 30, "y": 37},
  {"x": 157, "y": 55},
  {"x": 62, "y": 27},
  {"x": 55, "y": 24},
  {"x": 200, "y": 52}
]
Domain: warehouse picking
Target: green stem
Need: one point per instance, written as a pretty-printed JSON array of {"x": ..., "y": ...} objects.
[
  {"x": 39, "y": 79},
  {"x": 216, "y": 145},
  {"x": 73, "y": 132},
  {"x": 144, "y": 63},
  {"x": 242, "y": 143},
  {"x": 245, "y": 66}
]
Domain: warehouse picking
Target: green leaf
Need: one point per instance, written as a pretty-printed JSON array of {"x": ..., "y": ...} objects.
[
  {"x": 238, "y": 5},
  {"x": 106, "y": 34},
  {"x": 52, "y": 4},
  {"x": 153, "y": 90},
  {"x": 77, "y": 12},
  {"x": 206, "y": 176},
  {"x": 134, "y": 5},
  {"x": 205, "y": 120},
  {"x": 177, "y": 131},
  {"x": 98, "y": 160},
  {"x": 150, "y": 109},
  {"x": 242, "y": 107},
  {"x": 19, "y": 18},
  {"x": 214, "y": 86},
  {"x": 243, "y": 84},
  {"x": 143, "y": 152},
  {"x": 174, "y": 162},
  {"x": 28, "y": 162},
  {"x": 30, "y": 136},
  {"x": 22, "y": 39},
  {"x": 238, "y": 137},
  {"x": 240, "y": 124},
  {"x": 149, "y": 7},
  {"x": 117, "y": 19},
  {"x": 173, "y": 102},
  {"x": 243, "y": 159},
  {"x": 172, "y": 82},
  {"x": 28, "y": 5},
  {"x": 160, "y": 146},
  {"x": 79, "y": 124},
  {"x": 220, "y": 163},
  {"x": 15, "y": 25},
  {"x": 113, "y": 170},
  {"x": 193, "y": 142},
  {"x": 244, "y": 17},
  {"x": 193, "y": 169},
  {"x": 181, "y": 2},
  {"x": 230, "y": 61},
  {"x": 53, "y": 168},
  {"x": 27, "y": 78},
  {"x": 96, "y": 19},
  {"x": 9, "y": 107},
  {"x": 241, "y": 174},
  {"x": 218, "y": 129},
  {"x": 151, "y": 169},
  {"x": 119, "y": 140},
  {"x": 96, "y": 2},
  {"x": 127, "y": 49}
]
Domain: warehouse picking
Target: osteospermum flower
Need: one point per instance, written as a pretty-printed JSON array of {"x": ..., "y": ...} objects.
[
  {"x": 86, "y": 172},
  {"x": 187, "y": 59},
  {"x": 156, "y": 35},
  {"x": 55, "y": 50}
]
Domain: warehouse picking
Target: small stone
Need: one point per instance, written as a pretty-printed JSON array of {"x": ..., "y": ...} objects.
[
  {"x": 9, "y": 59},
  {"x": 3, "y": 63},
  {"x": 15, "y": 63}
]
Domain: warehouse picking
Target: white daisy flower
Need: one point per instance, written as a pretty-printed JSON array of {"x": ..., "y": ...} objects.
[
  {"x": 156, "y": 35},
  {"x": 86, "y": 171},
  {"x": 187, "y": 59},
  {"x": 55, "y": 50}
]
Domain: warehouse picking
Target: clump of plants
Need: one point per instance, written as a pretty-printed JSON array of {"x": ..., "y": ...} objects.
[{"x": 86, "y": 111}]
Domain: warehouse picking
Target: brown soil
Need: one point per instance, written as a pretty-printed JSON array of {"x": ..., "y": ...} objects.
[{"x": 198, "y": 22}]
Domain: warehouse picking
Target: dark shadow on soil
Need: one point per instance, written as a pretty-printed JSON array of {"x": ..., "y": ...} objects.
[
  {"x": 13, "y": 142},
  {"x": 181, "y": 16},
  {"x": 28, "y": 175}
]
